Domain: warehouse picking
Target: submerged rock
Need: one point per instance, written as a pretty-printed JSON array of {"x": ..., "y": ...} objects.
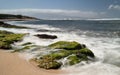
[
  {"x": 45, "y": 36},
  {"x": 73, "y": 51}
]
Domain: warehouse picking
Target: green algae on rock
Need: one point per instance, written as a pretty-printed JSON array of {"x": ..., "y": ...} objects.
[
  {"x": 47, "y": 62},
  {"x": 73, "y": 51},
  {"x": 8, "y": 38},
  {"x": 73, "y": 59},
  {"x": 66, "y": 45}
]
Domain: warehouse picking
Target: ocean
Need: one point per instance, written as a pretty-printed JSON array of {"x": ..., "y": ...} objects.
[{"x": 101, "y": 36}]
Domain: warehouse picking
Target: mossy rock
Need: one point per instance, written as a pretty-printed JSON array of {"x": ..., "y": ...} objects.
[
  {"x": 74, "y": 60},
  {"x": 66, "y": 45},
  {"x": 84, "y": 51},
  {"x": 27, "y": 47},
  {"x": 5, "y": 45},
  {"x": 13, "y": 37},
  {"x": 48, "y": 63},
  {"x": 7, "y": 38},
  {"x": 87, "y": 52},
  {"x": 57, "y": 55},
  {"x": 73, "y": 51},
  {"x": 22, "y": 49}
]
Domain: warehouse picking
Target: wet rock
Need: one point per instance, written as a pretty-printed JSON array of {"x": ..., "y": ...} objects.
[
  {"x": 8, "y": 38},
  {"x": 87, "y": 52},
  {"x": 2, "y": 24},
  {"x": 73, "y": 60},
  {"x": 73, "y": 51},
  {"x": 48, "y": 63},
  {"x": 45, "y": 36},
  {"x": 66, "y": 45}
]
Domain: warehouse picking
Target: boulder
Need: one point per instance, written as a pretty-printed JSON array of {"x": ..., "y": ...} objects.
[{"x": 45, "y": 36}]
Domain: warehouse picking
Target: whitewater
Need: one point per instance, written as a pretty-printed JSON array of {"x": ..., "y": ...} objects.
[{"x": 102, "y": 37}]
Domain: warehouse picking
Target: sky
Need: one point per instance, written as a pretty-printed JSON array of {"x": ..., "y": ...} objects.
[{"x": 61, "y": 9}]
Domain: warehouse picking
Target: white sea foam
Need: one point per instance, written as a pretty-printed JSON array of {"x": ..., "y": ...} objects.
[{"x": 97, "y": 68}]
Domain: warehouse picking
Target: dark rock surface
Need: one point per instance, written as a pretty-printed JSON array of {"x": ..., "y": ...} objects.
[
  {"x": 45, "y": 36},
  {"x": 2, "y": 24}
]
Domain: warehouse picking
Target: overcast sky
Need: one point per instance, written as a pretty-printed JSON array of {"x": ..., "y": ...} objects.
[{"x": 59, "y": 9}]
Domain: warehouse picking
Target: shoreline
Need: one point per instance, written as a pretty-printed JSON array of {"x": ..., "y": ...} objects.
[{"x": 12, "y": 64}]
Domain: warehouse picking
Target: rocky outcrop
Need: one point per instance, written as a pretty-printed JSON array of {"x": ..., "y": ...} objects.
[
  {"x": 66, "y": 45},
  {"x": 2, "y": 24},
  {"x": 11, "y": 17},
  {"x": 8, "y": 38},
  {"x": 73, "y": 51},
  {"x": 45, "y": 36}
]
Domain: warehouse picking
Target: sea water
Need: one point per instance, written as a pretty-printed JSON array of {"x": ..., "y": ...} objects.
[{"x": 101, "y": 36}]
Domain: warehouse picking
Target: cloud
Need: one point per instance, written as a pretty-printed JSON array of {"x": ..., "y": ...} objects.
[
  {"x": 116, "y": 7},
  {"x": 52, "y": 13}
]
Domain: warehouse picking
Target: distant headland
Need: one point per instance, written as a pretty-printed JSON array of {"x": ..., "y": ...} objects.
[{"x": 11, "y": 17}]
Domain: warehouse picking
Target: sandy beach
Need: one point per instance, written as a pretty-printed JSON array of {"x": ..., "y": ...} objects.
[{"x": 12, "y": 64}]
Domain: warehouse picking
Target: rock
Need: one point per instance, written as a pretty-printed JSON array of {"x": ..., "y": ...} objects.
[
  {"x": 22, "y": 49},
  {"x": 5, "y": 45},
  {"x": 87, "y": 52},
  {"x": 56, "y": 55},
  {"x": 8, "y": 38},
  {"x": 66, "y": 45},
  {"x": 45, "y": 36},
  {"x": 73, "y": 51},
  {"x": 1, "y": 22},
  {"x": 48, "y": 63},
  {"x": 73, "y": 60}
]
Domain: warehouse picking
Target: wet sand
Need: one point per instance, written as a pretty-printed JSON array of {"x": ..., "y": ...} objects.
[{"x": 12, "y": 64}]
